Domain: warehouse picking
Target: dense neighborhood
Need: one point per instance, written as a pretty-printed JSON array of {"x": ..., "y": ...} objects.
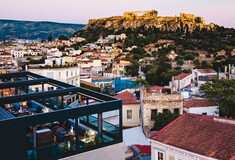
[{"x": 177, "y": 101}]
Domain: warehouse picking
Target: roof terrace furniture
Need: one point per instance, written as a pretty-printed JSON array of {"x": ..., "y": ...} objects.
[{"x": 56, "y": 111}]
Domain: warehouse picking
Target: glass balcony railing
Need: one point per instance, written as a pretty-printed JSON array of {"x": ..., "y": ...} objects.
[{"x": 59, "y": 149}]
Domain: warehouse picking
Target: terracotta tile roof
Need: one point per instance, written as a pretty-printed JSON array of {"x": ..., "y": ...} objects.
[
  {"x": 206, "y": 71},
  {"x": 200, "y": 134},
  {"x": 199, "y": 103},
  {"x": 156, "y": 88},
  {"x": 127, "y": 98},
  {"x": 145, "y": 149},
  {"x": 182, "y": 76},
  {"x": 88, "y": 83}
]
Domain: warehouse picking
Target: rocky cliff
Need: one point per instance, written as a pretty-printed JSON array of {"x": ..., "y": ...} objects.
[{"x": 149, "y": 19}]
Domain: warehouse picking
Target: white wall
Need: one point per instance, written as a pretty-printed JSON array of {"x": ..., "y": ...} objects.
[
  {"x": 209, "y": 110},
  {"x": 112, "y": 152}
]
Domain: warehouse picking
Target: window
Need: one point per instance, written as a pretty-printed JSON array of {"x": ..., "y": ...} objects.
[
  {"x": 59, "y": 74},
  {"x": 36, "y": 89},
  {"x": 50, "y": 75},
  {"x": 67, "y": 73},
  {"x": 165, "y": 110},
  {"x": 204, "y": 113},
  {"x": 160, "y": 156},
  {"x": 121, "y": 72},
  {"x": 129, "y": 114},
  {"x": 203, "y": 78},
  {"x": 76, "y": 72},
  {"x": 71, "y": 73},
  {"x": 153, "y": 114},
  {"x": 50, "y": 88},
  {"x": 177, "y": 110}
]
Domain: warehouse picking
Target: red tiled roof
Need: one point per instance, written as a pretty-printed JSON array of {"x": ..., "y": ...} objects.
[
  {"x": 127, "y": 98},
  {"x": 206, "y": 71},
  {"x": 88, "y": 83},
  {"x": 156, "y": 88},
  {"x": 104, "y": 60},
  {"x": 200, "y": 134},
  {"x": 145, "y": 149},
  {"x": 199, "y": 103},
  {"x": 182, "y": 76}
]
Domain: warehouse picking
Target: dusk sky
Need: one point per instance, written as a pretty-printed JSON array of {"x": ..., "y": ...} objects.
[{"x": 221, "y": 12}]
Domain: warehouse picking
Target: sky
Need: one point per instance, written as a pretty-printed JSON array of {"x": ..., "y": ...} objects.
[{"x": 221, "y": 12}]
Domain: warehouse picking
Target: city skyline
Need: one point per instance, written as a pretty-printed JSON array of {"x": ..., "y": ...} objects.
[{"x": 79, "y": 12}]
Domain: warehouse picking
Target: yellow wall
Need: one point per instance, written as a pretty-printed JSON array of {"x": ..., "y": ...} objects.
[
  {"x": 135, "y": 121},
  {"x": 173, "y": 153},
  {"x": 68, "y": 59}
]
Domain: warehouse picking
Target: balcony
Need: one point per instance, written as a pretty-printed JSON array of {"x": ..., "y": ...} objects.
[{"x": 39, "y": 125}]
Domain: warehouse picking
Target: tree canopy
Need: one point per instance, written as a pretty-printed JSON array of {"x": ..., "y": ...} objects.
[
  {"x": 164, "y": 119},
  {"x": 63, "y": 37},
  {"x": 223, "y": 92}
]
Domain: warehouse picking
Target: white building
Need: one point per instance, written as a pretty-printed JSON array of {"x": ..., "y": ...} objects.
[
  {"x": 23, "y": 53},
  {"x": 69, "y": 75},
  {"x": 200, "y": 77},
  {"x": 182, "y": 81},
  {"x": 55, "y": 61},
  {"x": 202, "y": 107},
  {"x": 75, "y": 52}
]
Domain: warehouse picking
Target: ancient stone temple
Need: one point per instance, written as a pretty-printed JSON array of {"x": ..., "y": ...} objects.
[{"x": 152, "y": 13}]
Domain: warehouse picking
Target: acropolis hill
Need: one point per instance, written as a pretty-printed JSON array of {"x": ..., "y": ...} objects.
[{"x": 148, "y": 19}]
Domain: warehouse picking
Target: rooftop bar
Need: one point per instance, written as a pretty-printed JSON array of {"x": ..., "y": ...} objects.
[{"x": 41, "y": 125}]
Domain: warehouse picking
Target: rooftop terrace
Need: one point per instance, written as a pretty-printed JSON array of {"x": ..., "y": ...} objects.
[{"x": 39, "y": 125}]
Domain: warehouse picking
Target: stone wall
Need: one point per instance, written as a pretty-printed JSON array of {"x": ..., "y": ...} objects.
[
  {"x": 152, "y": 13},
  {"x": 159, "y": 101}
]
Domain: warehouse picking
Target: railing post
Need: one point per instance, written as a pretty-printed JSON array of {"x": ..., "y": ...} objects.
[
  {"x": 87, "y": 103},
  {"x": 16, "y": 90},
  {"x": 43, "y": 100},
  {"x": 76, "y": 133},
  {"x": 100, "y": 125},
  {"x": 120, "y": 122},
  {"x": 62, "y": 102}
]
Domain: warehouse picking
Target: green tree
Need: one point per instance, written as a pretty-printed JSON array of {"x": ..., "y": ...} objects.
[
  {"x": 223, "y": 92},
  {"x": 180, "y": 62},
  {"x": 50, "y": 38},
  {"x": 143, "y": 82},
  {"x": 164, "y": 119},
  {"x": 133, "y": 69},
  {"x": 63, "y": 37}
]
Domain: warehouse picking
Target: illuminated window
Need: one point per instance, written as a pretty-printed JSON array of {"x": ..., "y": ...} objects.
[
  {"x": 160, "y": 156},
  {"x": 129, "y": 114}
]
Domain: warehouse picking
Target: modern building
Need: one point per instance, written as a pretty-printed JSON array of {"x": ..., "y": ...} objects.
[
  {"x": 200, "y": 77},
  {"x": 193, "y": 136},
  {"x": 38, "y": 125}
]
